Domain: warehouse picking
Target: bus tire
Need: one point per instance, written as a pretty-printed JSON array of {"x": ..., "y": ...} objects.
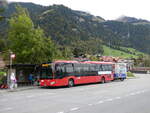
[
  {"x": 103, "y": 80},
  {"x": 70, "y": 83},
  {"x": 121, "y": 79}
]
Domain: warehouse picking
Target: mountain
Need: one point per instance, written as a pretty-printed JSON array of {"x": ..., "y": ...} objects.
[
  {"x": 67, "y": 26},
  {"x": 33, "y": 9},
  {"x": 135, "y": 36}
]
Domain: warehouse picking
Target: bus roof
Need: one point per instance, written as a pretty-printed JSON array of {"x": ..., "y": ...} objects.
[
  {"x": 65, "y": 61},
  {"x": 89, "y": 62},
  {"x": 98, "y": 62}
]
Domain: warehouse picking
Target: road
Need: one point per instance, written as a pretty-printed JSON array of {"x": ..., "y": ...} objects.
[{"x": 129, "y": 96}]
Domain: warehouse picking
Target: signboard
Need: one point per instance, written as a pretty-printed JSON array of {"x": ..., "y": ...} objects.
[
  {"x": 46, "y": 65},
  {"x": 104, "y": 72},
  {"x": 12, "y": 56}
]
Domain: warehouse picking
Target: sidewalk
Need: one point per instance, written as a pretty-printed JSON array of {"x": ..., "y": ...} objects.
[{"x": 21, "y": 88}]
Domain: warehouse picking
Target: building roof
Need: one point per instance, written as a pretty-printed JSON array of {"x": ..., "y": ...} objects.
[
  {"x": 2, "y": 63},
  {"x": 21, "y": 65}
]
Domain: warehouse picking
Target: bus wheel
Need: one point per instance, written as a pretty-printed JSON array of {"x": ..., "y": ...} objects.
[
  {"x": 70, "y": 83},
  {"x": 121, "y": 79},
  {"x": 103, "y": 80}
]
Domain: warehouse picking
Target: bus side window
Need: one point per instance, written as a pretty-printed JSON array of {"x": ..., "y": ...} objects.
[
  {"x": 69, "y": 68},
  {"x": 100, "y": 67},
  {"x": 58, "y": 69},
  {"x": 85, "y": 69},
  {"x": 96, "y": 67},
  {"x": 110, "y": 68},
  {"x": 106, "y": 67},
  {"x": 82, "y": 69},
  {"x": 103, "y": 67},
  {"x": 91, "y": 67},
  {"x": 77, "y": 68}
]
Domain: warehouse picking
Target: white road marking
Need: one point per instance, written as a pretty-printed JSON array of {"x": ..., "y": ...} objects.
[
  {"x": 110, "y": 99},
  {"x": 6, "y": 109},
  {"x": 50, "y": 93},
  {"x": 143, "y": 91},
  {"x": 135, "y": 93},
  {"x": 30, "y": 96},
  {"x": 60, "y": 112},
  {"x": 44, "y": 94},
  {"x": 131, "y": 94},
  {"x": 90, "y": 104},
  {"x": 100, "y": 102},
  {"x": 73, "y": 109},
  {"x": 138, "y": 92}
]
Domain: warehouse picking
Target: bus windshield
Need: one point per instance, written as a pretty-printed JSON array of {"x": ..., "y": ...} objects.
[
  {"x": 121, "y": 68},
  {"x": 46, "y": 72}
]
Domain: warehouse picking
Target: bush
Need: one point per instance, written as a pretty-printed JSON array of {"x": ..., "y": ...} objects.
[
  {"x": 2, "y": 76},
  {"x": 129, "y": 74}
]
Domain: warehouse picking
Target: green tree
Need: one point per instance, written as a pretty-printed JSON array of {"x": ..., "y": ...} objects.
[
  {"x": 1, "y": 11},
  {"x": 29, "y": 43},
  {"x": 2, "y": 44},
  {"x": 91, "y": 47},
  {"x": 146, "y": 61},
  {"x": 66, "y": 52},
  {"x": 3, "y": 4}
]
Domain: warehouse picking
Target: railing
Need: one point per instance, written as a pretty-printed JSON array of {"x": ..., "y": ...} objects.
[{"x": 140, "y": 69}]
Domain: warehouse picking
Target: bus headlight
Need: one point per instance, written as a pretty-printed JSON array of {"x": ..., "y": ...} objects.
[
  {"x": 52, "y": 83},
  {"x": 42, "y": 80}
]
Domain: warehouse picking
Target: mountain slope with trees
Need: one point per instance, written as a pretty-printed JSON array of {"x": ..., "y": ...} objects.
[
  {"x": 68, "y": 28},
  {"x": 29, "y": 43},
  {"x": 135, "y": 36}
]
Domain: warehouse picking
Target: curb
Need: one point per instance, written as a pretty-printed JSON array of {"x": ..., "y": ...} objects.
[
  {"x": 18, "y": 89},
  {"x": 132, "y": 77}
]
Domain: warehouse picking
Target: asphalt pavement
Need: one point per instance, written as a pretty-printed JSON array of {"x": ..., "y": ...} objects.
[{"x": 129, "y": 96}]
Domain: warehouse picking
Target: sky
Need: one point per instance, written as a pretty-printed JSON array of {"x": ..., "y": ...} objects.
[{"x": 107, "y": 9}]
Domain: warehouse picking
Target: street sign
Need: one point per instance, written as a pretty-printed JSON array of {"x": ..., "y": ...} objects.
[{"x": 13, "y": 56}]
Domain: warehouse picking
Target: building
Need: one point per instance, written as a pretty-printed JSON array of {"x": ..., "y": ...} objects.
[
  {"x": 22, "y": 72},
  {"x": 2, "y": 63}
]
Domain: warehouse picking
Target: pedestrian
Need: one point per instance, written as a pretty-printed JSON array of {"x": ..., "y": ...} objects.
[
  {"x": 36, "y": 80},
  {"x": 31, "y": 79},
  {"x": 13, "y": 81}
]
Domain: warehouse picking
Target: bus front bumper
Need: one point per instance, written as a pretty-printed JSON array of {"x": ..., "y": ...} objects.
[{"x": 47, "y": 83}]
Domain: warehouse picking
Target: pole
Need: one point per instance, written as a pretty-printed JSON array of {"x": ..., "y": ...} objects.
[{"x": 10, "y": 69}]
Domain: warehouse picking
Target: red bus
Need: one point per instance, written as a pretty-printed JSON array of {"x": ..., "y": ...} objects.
[{"x": 70, "y": 73}]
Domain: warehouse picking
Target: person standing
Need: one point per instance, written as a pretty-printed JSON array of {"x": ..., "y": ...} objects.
[
  {"x": 13, "y": 81},
  {"x": 31, "y": 79}
]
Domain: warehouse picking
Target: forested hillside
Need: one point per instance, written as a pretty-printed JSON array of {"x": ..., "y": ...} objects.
[
  {"x": 74, "y": 29},
  {"x": 135, "y": 36}
]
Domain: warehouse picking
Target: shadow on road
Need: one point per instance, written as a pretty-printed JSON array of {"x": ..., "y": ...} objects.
[{"x": 59, "y": 87}]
